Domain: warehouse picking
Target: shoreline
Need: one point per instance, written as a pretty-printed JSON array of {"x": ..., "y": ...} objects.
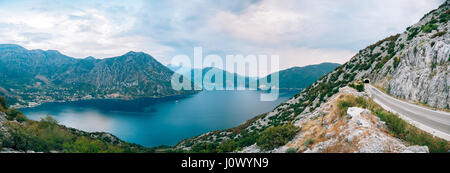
[
  {"x": 97, "y": 98},
  {"x": 125, "y": 98}
]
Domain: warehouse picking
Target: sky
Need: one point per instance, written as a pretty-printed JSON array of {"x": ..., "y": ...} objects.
[{"x": 301, "y": 32}]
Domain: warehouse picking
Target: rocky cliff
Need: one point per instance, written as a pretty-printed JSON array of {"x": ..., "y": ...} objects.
[{"x": 419, "y": 69}]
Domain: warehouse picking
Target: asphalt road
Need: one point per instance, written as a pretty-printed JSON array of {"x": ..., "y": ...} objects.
[{"x": 435, "y": 122}]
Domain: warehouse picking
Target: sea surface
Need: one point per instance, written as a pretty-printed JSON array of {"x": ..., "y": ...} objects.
[{"x": 160, "y": 121}]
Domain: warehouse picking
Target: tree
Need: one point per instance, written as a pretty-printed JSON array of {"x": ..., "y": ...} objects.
[
  {"x": 3, "y": 105},
  {"x": 48, "y": 122},
  {"x": 276, "y": 136}
]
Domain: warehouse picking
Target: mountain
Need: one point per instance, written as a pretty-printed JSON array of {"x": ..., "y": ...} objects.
[
  {"x": 412, "y": 65},
  {"x": 292, "y": 78},
  {"x": 302, "y": 77},
  {"x": 212, "y": 71},
  {"x": 198, "y": 80},
  {"x": 36, "y": 76}
]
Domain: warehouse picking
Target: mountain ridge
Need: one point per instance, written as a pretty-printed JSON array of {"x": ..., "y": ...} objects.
[
  {"x": 37, "y": 76},
  {"x": 292, "y": 78}
]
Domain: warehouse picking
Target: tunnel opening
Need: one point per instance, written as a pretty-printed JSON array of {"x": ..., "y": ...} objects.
[{"x": 366, "y": 81}]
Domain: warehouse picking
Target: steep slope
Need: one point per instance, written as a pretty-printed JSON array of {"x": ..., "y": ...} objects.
[
  {"x": 34, "y": 76},
  {"x": 393, "y": 56},
  {"x": 302, "y": 77},
  {"x": 419, "y": 70}
]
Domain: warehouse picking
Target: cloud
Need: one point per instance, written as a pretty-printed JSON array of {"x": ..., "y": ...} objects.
[
  {"x": 311, "y": 32},
  {"x": 302, "y": 32},
  {"x": 302, "y": 56},
  {"x": 263, "y": 23},
  {"x": 76, "y": 32},
  {"x": 346, "y": 24}
]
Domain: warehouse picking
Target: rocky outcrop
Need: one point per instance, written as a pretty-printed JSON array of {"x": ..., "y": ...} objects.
[
  {"x": 419, "y": 72},
  {"x": 2, "y": 116},
  {"x": 3, "y": 128}
]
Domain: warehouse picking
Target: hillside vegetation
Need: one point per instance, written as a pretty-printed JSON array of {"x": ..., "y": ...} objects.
[{"x": 404, "y": 64}]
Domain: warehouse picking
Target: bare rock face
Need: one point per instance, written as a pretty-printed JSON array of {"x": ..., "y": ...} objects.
[
  {"x": 3, "y": 119},
  {"x": 2, "y": 116},
  {"x": 419, "y": 72},
  {"x": 2, "y": 127}
]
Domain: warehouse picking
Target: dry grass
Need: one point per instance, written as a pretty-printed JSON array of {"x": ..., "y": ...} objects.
[{"x": 314, "y": 131}]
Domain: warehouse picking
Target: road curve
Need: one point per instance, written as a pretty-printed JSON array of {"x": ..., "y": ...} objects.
[{"x": 431, "y": 121}]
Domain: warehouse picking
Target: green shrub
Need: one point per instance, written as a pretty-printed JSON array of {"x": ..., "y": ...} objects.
[
  {"x": 413, "y": 33},
  {"x": 411, "y": 134},
  {"x": 308, "y": 142},
  {"x": 438, "y": 34},
  {"x": 85, "y": 145},
  {"x": 31, "y": 136},
  {"x": 12, "y": 114},
  {"x": 391, "y": 48},
  {"x": 444, "y": 17},
  {"x": 358, "y": 86},
  {"x": 21, "y": 118},
  {"x": 3, "y": 106},
  {"x": 48, "y": 122},
  {"x": 395, "y": 124},
  {"x": 396, "y": 62},
  {"x": 205, "y": 147},
  {"x": 291, "y": 150},
  {"x": 247, "y": 139},
  {"x": 383, "y": 61},
  {"x": 429, "y": 27},
  {"x": 276, "y": 136},
  {"x": 351, "y": 101},
  {"x": 228, "y": 146}
]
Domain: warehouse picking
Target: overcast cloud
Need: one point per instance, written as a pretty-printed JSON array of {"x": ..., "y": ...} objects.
[{"x": 301, "y": 32}]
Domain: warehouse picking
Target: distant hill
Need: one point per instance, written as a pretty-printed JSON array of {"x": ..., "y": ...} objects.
[
  {"x": 302, "y": 77},
  {"x": 213, "y": 70},
  {"x": 292, "y": 78},
  {"x": 35, "y": 76}
]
